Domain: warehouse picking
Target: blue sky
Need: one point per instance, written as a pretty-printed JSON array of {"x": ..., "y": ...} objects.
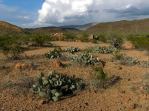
[
  {"x": 35, "y": 13},
  {"x": 20, "y": 12}
]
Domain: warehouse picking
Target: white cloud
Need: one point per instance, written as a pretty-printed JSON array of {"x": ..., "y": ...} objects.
[{"x": 66, "y": 12}]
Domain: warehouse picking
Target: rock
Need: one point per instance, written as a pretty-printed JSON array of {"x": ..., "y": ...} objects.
[
  {"x": 56, "y": 63},
  {"x": 23, "y": 66},
  {"x": 128, "y": 46},
  {"x": 91, "y": 37},
  {"x": 42, "y": 102}
]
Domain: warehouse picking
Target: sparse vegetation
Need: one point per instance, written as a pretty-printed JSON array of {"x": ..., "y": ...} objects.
[{"x": 103, "y": 67}]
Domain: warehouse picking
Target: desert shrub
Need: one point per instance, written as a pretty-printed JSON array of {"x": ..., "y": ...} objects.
[
  {"x": 101, "y": 37},
  {"x": 84, "y": 37},
  {"x": 13, "y": 51},
  {"x": 56, "y": 53},
  {"x": 56, "y": 86},
  {"x": 140, "y": 42},
  {"x": 72, "y": 50},
  {"x": 69, "y": 36},
  {"x": 41, "y": 40},
  {"x": 85, "y": 59},
  {"x": 100, "y": 74},
  {"x": 101, "y": 80},
  {"x": 117, "y": 55}
]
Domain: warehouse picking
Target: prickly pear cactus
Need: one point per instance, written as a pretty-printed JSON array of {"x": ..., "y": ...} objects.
[
  {"x": 129, "y": 61},
  {"x": 104, "y": 50},
  {"x": 54, "y": 54},
  {"x": 56, "y": 86},
  {"x": 85, "y": 59},
  {"x": 72, "y": 50}
]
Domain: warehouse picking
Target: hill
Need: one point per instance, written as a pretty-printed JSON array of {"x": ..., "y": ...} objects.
[
  {"x": 6, "y": 27},
  {"x": 134, "y": 26}
]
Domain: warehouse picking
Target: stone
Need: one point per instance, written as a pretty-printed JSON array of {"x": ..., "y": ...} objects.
[
  {"x": 56, "y": 63},
  {"x": 128, "y": 46}
]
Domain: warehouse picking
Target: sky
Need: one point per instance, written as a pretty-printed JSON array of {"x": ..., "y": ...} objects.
[{"x": 36, "y": 13}]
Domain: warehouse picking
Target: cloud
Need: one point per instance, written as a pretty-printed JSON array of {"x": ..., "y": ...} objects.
[
  {"x": 130, "y": 12},
  {"x": 66, "y": 12}
]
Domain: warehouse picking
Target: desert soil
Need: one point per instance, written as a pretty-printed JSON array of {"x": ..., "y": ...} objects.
[{"x": 126, "y": 95}]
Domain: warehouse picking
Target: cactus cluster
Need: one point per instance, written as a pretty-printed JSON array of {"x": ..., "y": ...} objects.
[
  {"x": 117, "y": 42},
  {"x": 72, "y": 50},
  {"x": 85, "y": 59},
  {"x": 54, "y": 54},
  {"x": 104, "y": 50},
  {"x": 56, "y": 86},
  {"x": 129, "y": 61},
  {"x": 126, "y": 60}
]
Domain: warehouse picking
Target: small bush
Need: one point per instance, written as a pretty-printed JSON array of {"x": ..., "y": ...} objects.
[
  {"x": 56, "y": 86},
  {"x": 117, "y": 55},
  {"x": 101, "y": 80}
]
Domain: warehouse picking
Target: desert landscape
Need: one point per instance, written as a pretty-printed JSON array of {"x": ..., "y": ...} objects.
[
  {"x": 127, "y": 92},
  {"x": 74, "y": 60}
]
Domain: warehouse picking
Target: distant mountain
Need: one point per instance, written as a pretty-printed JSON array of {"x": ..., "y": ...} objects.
[
  {"x": 79, "y": 27},
  {"x": 134, "y": 26},
  {"x": 52, "y": 29}
]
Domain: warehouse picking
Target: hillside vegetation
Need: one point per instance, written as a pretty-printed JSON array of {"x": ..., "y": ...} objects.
[{"x": 135, "y": 31}]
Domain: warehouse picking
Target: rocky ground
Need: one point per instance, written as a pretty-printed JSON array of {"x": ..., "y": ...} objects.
[{"x": 126, "y": 95}]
